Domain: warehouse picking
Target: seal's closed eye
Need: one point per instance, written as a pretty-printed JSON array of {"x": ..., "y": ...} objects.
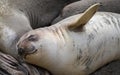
[{"x": 33, "y": 38}]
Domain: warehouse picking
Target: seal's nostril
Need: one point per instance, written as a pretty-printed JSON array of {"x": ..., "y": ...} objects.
[{"x": 21, "y": 51}]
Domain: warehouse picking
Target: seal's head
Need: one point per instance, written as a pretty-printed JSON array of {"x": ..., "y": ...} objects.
[
  {"x": 37, "y": 43},
  {"x": 27, "y": 43}
]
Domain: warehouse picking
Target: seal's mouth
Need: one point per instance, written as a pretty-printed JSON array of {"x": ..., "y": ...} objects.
[
  {"x": 26, "y": 51},
  {"x": 29, "y": 53}
]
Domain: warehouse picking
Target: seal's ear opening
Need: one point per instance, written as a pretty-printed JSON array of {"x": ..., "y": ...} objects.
[{"x": 85, "y": 17}]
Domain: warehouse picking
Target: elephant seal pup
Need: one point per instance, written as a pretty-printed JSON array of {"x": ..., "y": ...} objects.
[
  {"x": 77, "y": 45},
  {"x": 13, "y": 24}
]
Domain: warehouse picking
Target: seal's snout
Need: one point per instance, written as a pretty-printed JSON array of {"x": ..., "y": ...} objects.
[
  {"x": 26, "y": 44},
  {"x": 25, "y": 47},
  {"x": 26, "y": 50}
]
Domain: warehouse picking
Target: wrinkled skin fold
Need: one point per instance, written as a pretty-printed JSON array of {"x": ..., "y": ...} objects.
[{"x": 10, "y": 66}]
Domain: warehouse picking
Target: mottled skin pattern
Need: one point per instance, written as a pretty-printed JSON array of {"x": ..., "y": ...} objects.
[
  {"x": 79, "y": 7},
  {"x": 79, "y": 51}
]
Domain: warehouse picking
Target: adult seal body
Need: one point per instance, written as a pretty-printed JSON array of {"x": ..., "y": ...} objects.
[
  {"x": 13, "y": 24},
  {"x": 77, "y": 45},
  {"x": 40, "y": 12},
  {"x": 80, "y": 6}
]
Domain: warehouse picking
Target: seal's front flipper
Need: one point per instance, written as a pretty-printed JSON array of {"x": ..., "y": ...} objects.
[{"x": 84, "y": 18}]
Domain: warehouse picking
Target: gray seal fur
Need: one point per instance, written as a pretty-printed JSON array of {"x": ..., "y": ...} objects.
[{"x": 13, "y": 24}]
